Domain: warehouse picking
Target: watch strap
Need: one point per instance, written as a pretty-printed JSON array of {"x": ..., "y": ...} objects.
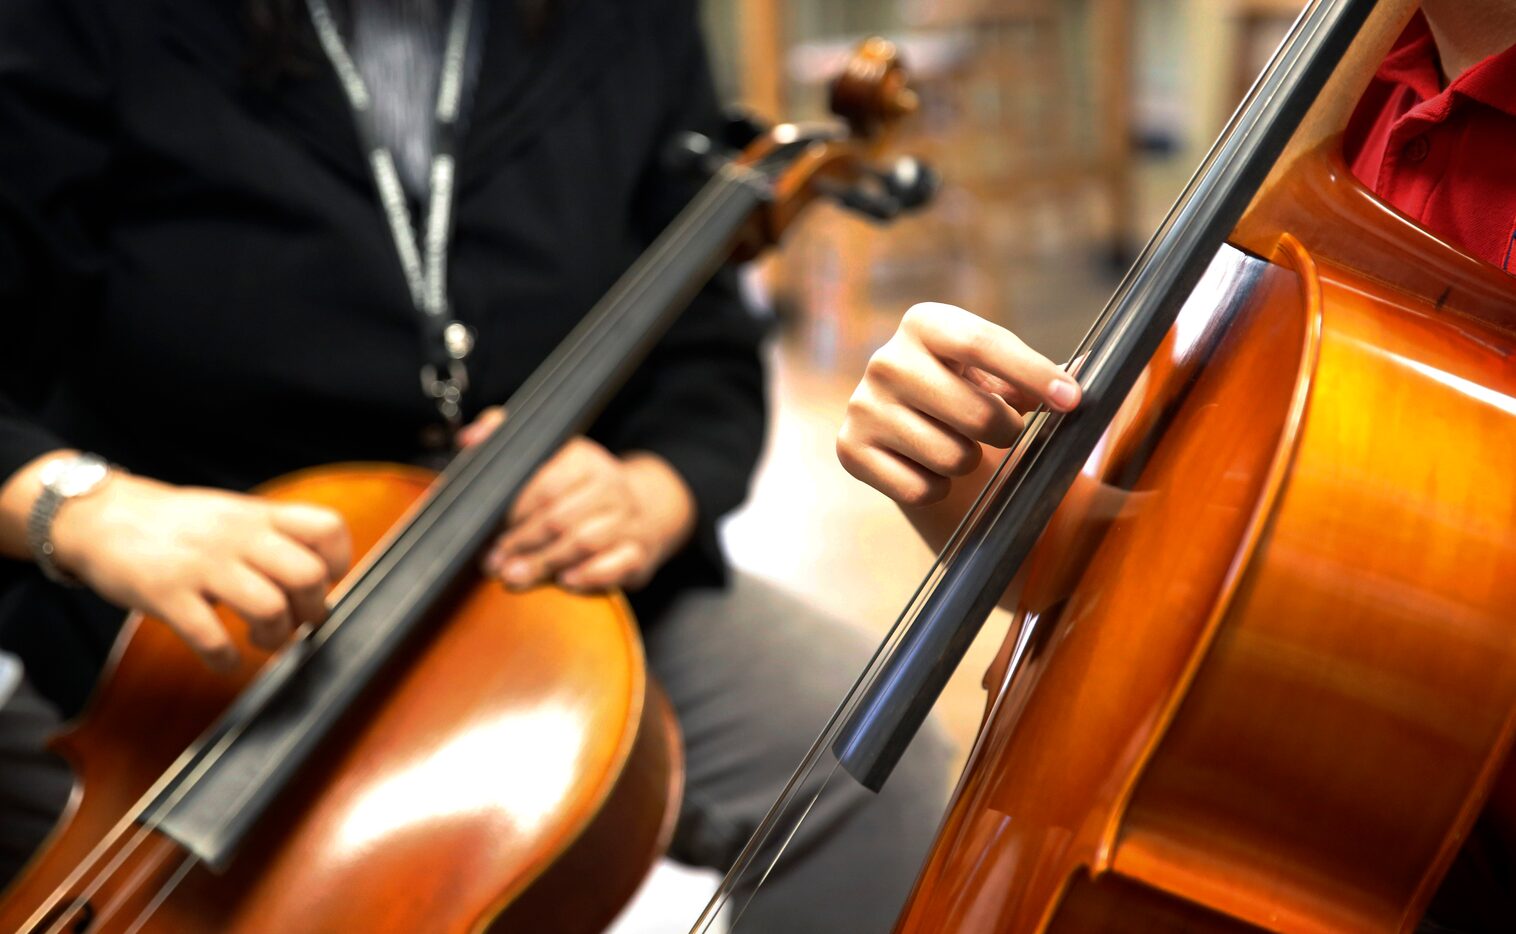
[
  {"x": 58, "y": 489},
  {"x": 39, "y": 536}
]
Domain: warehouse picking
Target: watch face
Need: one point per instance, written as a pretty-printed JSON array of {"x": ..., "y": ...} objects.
[{"x": 75, "y": 476}]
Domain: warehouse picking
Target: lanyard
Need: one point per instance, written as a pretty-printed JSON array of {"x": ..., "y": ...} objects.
[{"x": 446, "y": 341}]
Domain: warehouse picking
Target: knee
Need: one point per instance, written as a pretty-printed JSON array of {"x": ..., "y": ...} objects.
[
  {"x": 918, "y": 789},
  {"x": 908, "y": 809}
]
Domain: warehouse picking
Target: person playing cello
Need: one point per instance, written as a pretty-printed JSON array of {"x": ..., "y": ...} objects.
[{"x": 201, "y": 289}]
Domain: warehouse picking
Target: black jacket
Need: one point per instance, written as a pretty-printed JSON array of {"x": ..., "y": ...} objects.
[{"x": 196, "y": 279}]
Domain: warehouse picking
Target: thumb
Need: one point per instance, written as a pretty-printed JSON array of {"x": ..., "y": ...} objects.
[{"x": 481, "y": 427}]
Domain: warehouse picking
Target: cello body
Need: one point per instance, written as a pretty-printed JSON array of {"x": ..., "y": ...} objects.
[
  {"x": 517, "y": 749},
  {"x": 1276, "y": 688}
]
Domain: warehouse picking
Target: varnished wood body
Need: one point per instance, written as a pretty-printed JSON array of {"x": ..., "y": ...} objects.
[
  {"x": 1281, "y": 688},
  {"x": 516, "y": 743}
]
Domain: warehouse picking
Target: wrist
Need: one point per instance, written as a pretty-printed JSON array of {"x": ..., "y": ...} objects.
[
  {"x": 663, "y": 497},
  {"x": 76, "y": 527},
  {"x": 18, "y": 496}
]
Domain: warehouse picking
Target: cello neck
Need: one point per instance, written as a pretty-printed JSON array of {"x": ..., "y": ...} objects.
[
  {"x": 583, "y": 373},
  {"x": 1329, "y": 115},
  {"x": 990, "y": 545}
]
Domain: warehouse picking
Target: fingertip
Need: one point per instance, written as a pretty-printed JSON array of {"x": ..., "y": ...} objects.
[
  {"x": 589, "y": 578},
  {"x": 481, "y": 427},
  {"x": 222, "y": 659},
  {"x": 470, "y": 435},
  {"x": 518, "y": 574},
  {"x": 1063, "y": 393}
]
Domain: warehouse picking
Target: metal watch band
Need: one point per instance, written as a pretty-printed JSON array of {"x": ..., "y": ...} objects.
[
  {"x": 39, "y": 528},
  {"x": 39, "y": 523}
]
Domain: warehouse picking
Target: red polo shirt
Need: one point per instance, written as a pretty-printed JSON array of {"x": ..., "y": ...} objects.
[{"x": 1445, "y": 157}]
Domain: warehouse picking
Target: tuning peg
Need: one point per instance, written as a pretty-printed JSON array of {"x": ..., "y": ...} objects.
[
  {"x": 741, "y": 127},
  {"x": 693, "y": 154},
  {"x": 911, "y": 182},
  {"x": 880, "y": 206}
]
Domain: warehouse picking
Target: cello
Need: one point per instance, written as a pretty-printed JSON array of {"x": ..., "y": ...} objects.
[
  {"x": 1275, "y": 690},
  {"x": 440, "y": 754}
]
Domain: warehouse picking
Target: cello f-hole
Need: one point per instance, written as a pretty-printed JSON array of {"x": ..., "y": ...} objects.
[{"x": 73, "y": 916}]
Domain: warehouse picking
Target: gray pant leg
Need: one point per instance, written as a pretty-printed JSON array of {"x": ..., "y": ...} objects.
[
  {"x": 754, "y": 675},
  {"x": 34, "y": 783}
]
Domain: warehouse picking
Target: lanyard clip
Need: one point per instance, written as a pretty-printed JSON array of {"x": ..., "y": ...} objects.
[
  {"x": 446, "y": 388},
  {"x": 446, "y": 384}
]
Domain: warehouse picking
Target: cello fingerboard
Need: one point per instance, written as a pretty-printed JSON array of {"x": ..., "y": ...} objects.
[{"x": 237, "y": 770}]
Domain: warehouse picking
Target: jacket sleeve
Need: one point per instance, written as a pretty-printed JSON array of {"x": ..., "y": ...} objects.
[
  {"x": 698, "y": 401},
  {"x": 55, "y": 126}
]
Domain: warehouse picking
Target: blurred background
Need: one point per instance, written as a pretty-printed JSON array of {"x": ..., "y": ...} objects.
[{"x": 1063, "y": 130}]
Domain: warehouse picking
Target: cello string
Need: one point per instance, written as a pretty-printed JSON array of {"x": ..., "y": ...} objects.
[
  {"x": 147, "y": 868},
  {"x": 100, "y": 849},
  {"x": 277, "y": 754},
  {"x": 130, "y": 821},
  {"x": 736, "y": 918},
  {"x": 784, "y": 812},
  {"x": 164, "y": 891},
  {"x": 793, "y": 790},
  {"x": 1100, "y": 344},
  {"x": 722, "y": 194},
  {"x": 143, "y": 832},
  {"x": 465, "y": 469}
]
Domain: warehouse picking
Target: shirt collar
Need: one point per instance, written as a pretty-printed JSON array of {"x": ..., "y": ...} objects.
[{"x": 1414, "y": 64}]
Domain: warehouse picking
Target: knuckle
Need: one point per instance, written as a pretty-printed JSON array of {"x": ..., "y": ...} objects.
[
  {"x": 1003, "y": 433},
  {"x": 973, "y": 342},
  {"x": 847, "y": 456},
  {"x": 847, "y": 436},
  {"x": 197, "y": 572},
  {"x": 310, "y": 575},
  {"x": 920, "y": 317},
  {"x": 922, "y": 492},
  {"x": 267, "y": 607},
  {"x": 862, "y": 409},
  {"x": 596, "y": 539},
  {"x": 983, "y": 421},
  {"x": 939, "y": 460},
  {"x": 963, "y": 461},
  {"x": 884, "y": 366},
  {"x": 193, "y": 573}
]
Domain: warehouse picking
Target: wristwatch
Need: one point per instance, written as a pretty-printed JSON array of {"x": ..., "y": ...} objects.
[{"x": 63, "y": 479}]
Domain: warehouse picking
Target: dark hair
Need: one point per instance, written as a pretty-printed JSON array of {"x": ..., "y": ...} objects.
[{"x": 282, "y": 41}]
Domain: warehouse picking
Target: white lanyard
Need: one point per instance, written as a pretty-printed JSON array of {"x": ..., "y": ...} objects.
[{"x": 447, "y": 341}]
